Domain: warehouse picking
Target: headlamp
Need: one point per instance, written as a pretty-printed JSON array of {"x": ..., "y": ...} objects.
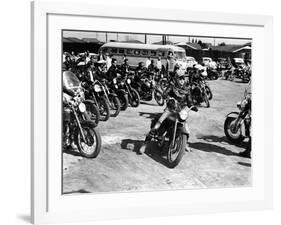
[
  {"x": 82, "y": 107},
  {"x": 97, "y": 88}
]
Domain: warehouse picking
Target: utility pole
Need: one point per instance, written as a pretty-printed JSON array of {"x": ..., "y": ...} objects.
[
  {"x": 145, "y": 38},
  {"x": 106, "y": 38}
]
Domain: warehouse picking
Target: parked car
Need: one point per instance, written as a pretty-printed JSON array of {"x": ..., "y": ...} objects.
[{"x": 208, "y": 62}]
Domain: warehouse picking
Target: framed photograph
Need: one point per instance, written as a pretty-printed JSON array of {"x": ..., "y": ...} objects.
[{"x": 149, "y": 114}]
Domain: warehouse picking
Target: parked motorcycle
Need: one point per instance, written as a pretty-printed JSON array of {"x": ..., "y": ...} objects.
[
  {"x": 94, "y": 91},
  {"x": 125, "y": 84},
  {"x": 147, "y": 89},
  {"x": 120, "y": 92},
  {"x": 172, "y": 135},
  {"x": 92, "y": 110},
  {"x": 200, "y": 92},
  {"x": 237, "y": 124},
  {"x": 212, "y": 74},
  {"x": 112, "y": 99},
  {"x": 78, "y": 128}
]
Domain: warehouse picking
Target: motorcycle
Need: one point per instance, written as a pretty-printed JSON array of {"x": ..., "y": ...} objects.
[
  {"x": 237, "y": 124},
  {"x": 172, "y": 133},
  {"x": 78, "y": 128},
  {"x": 92, "y": 110},
  {"x": 112, "y": 99},
  {"x": 200, "y": 92},
  {"x": 207, "y": 89},
  {"x": 212, "y": 74},
  {"x": 125, "y": 84},
  {"x": 147, "y": 89},
  {"x": 120, "y": 92},
  {"x": 95, "y": 92}
]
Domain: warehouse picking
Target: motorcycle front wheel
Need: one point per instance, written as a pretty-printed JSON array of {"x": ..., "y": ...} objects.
[
  {"x": 90, "y": 148},
  {"x": 234, "y": 137},
  {"x": 176, "y": 152},
  {"x": 209, "y": 93},
  {"x": 93, "y": 111},
  {"x": 124, "y": 102},
  {"x": 103, "y": 109},
  {"x": 134, "y": 99},
  {"x": 206, "y": 100},
  {"x": 115, "y": 106},
  {"x": 158, "y": 96}
]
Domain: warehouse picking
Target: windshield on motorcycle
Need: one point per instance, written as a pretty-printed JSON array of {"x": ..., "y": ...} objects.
[{"x": 70, "y": 81}]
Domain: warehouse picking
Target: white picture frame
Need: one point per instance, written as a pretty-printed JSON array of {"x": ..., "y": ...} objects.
[{"x": 48, "y": 206}]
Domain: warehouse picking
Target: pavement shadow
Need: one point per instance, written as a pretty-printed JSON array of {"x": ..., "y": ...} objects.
[
  {"x": 150, "y": 115},
  {"x": 245, "y": 164},
  {"x": 207, "y": 147},
  {"x": 81, "y": 191},
  {"x": 148, "y": 103},
  {"x": 213, "y": 138},
  {"x": 151, "y": 150},
  {"x": 72, "y": 152},
  {"x": 217, "y": 139}
]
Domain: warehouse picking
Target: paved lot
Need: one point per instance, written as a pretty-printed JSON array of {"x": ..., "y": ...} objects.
[{"x": 212, "y": 163}]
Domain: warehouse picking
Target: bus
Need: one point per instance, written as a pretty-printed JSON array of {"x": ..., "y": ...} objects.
[{"x": 136, "y": 52}]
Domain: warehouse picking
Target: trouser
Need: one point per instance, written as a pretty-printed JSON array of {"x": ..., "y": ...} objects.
[{"x": 162, "y": 118}]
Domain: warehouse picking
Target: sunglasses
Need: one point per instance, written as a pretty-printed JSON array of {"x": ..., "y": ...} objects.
[{"x": 181, "y": 78}]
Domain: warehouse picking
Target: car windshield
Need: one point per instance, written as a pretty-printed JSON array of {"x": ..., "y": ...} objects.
[
  {"x": 70, "y": 80},
  {"x": 180, "y": 55}
]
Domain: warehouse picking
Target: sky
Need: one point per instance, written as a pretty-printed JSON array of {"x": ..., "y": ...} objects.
[{"x": 101, "y": 36}]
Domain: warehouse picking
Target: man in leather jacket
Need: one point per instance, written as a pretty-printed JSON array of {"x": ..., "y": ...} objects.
[
  {"x": 112, "y": 71},
  {"x": 124, "y": 67},
  {"x": 178, "y": 91}
]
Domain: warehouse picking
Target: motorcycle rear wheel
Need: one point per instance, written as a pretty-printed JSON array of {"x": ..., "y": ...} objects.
[{"x": 92, "y": 148}]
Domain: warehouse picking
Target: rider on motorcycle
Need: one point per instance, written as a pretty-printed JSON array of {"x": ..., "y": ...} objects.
[
  {"x": 113, "y": 71},
  {"x": 248, "y": 98},
  {"x": 196, "y": 75},
  {"x": 125, "y": 67},
  {"x": 178, "y": 91}
]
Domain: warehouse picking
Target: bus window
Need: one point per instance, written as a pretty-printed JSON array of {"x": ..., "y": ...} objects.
[
  {"x": 144, "y": 52},
  {"x": 114, "y": 50},
  {"x": 161, "y": 54},
  {"x": 121, "y": 51},
  {"x": 153, "y": 53},
  {"x": 137, "y": 52},
  {"x": 104, "y": 50},
  {"x": 129, "y": 51}
]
